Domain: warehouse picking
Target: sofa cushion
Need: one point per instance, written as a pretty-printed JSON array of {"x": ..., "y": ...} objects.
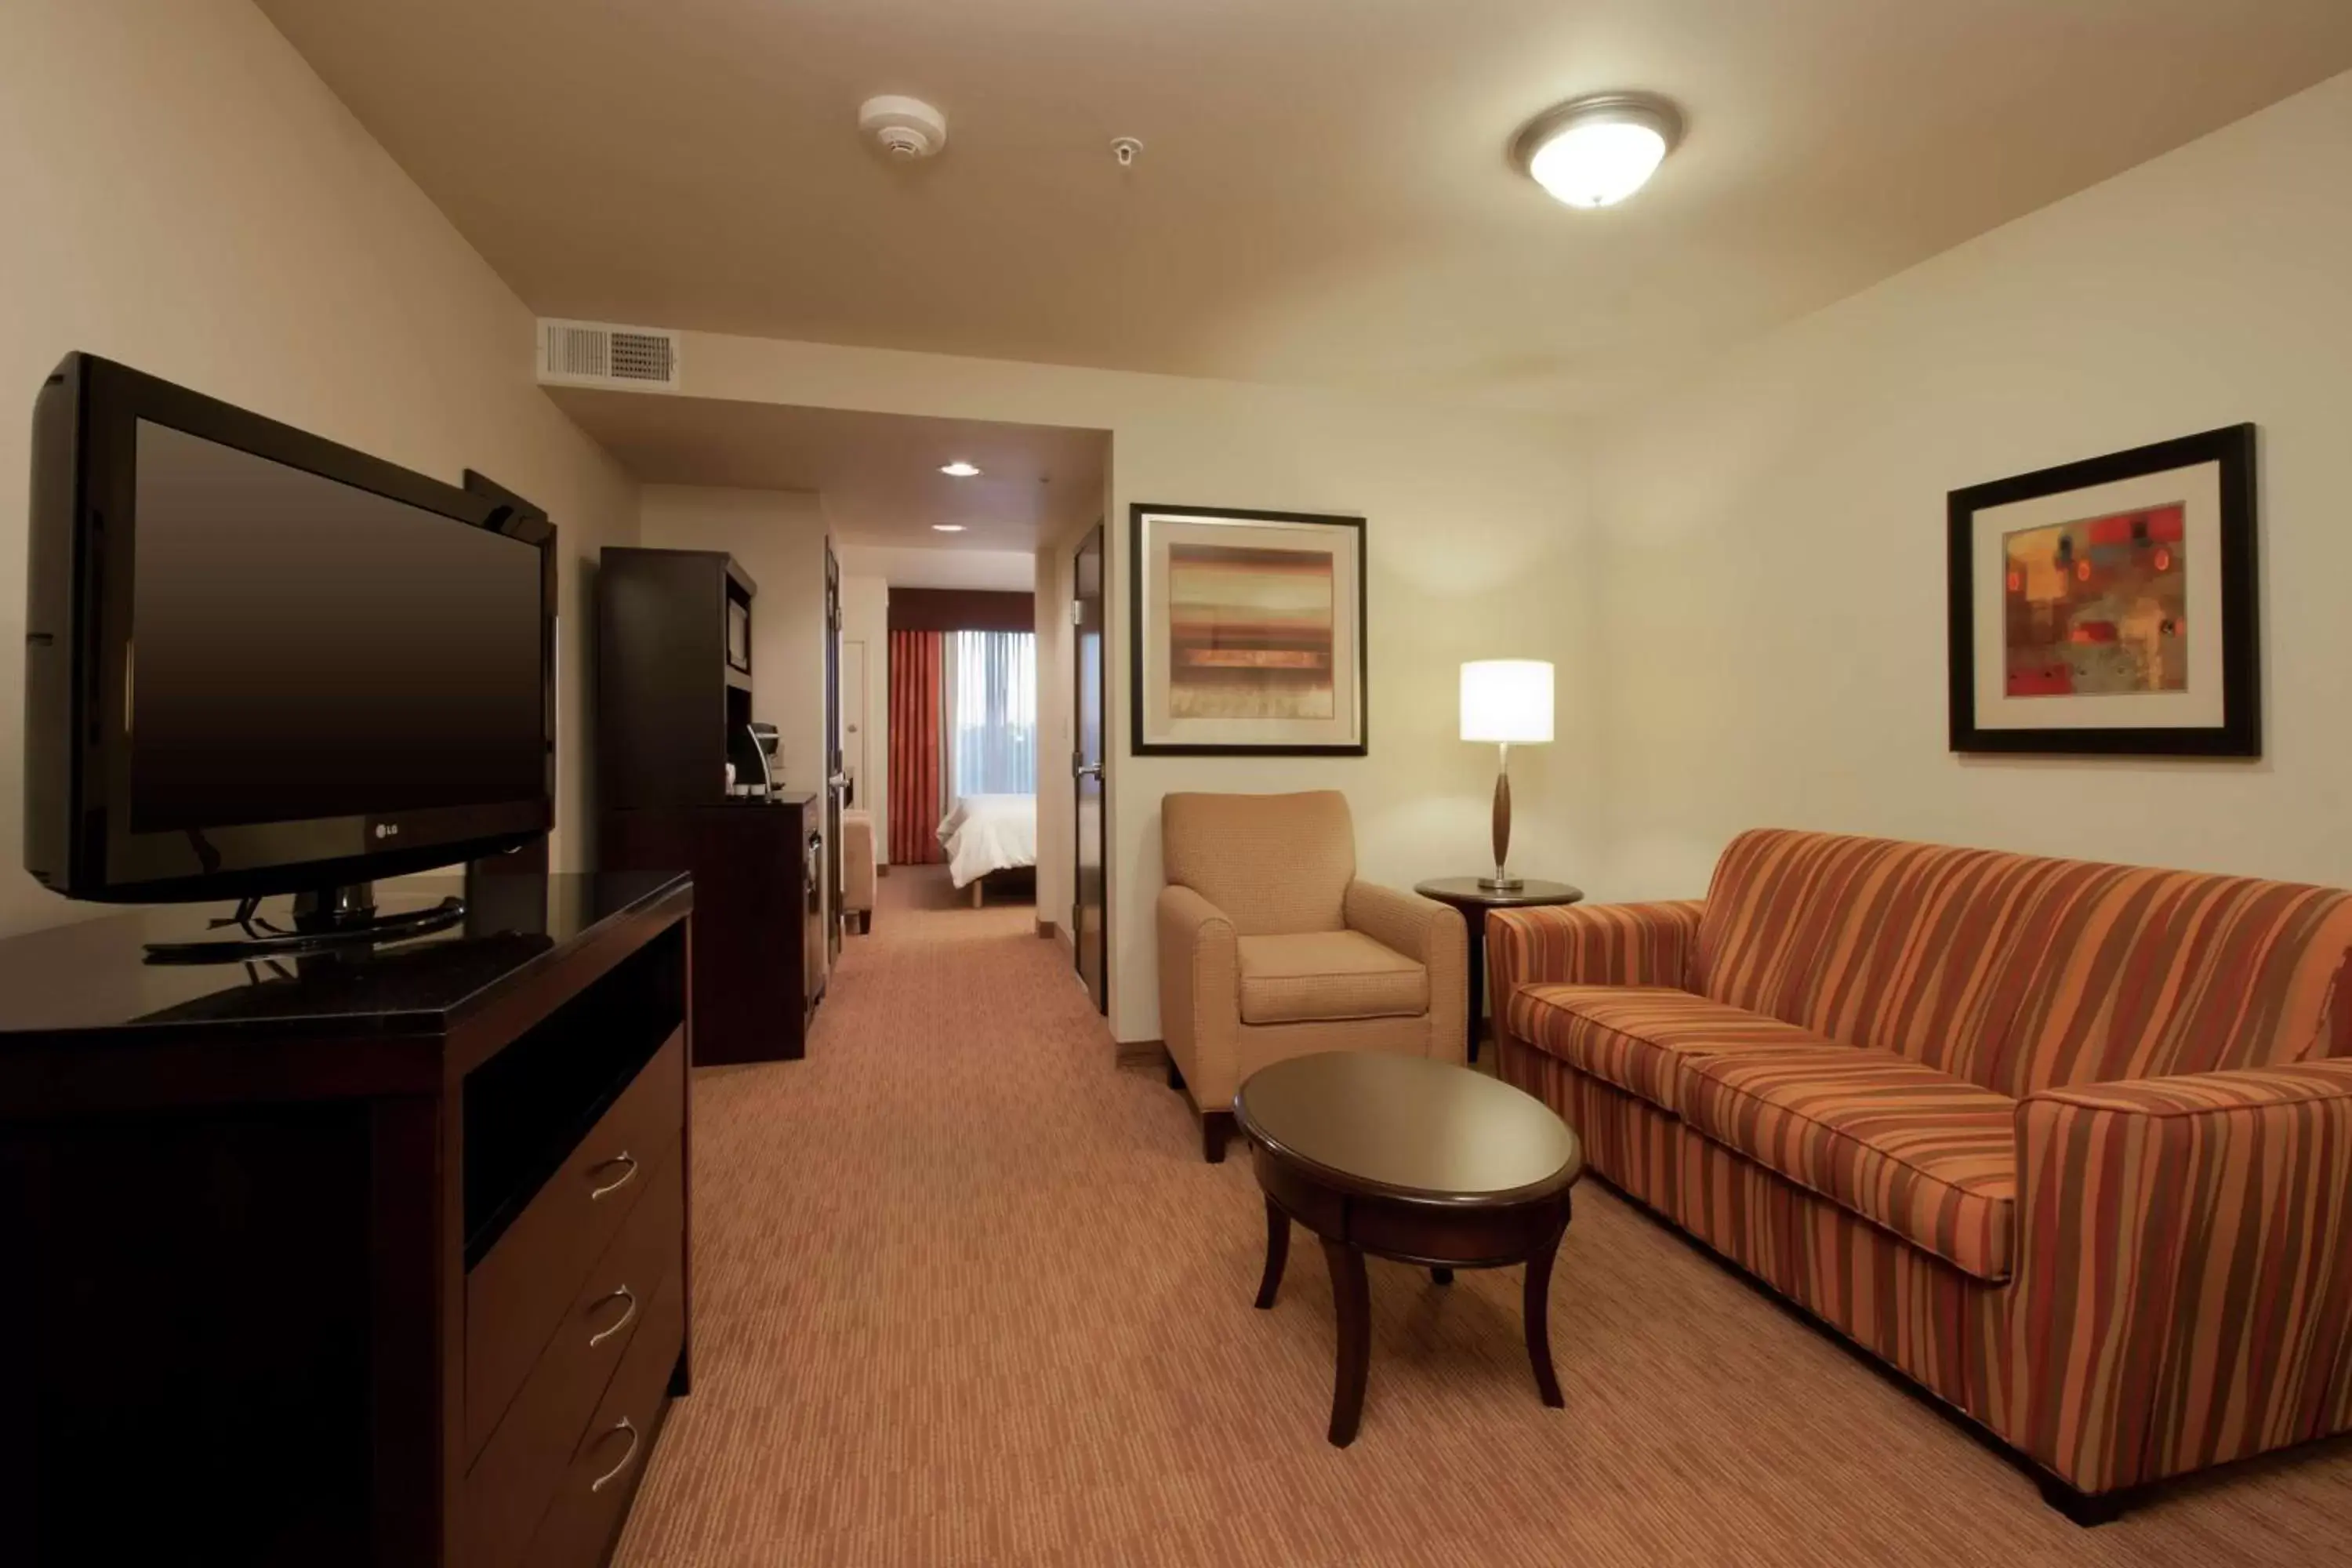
[
  {"x": 1867, "y": 941},
  {"x": 2129, "y": 972},
  {"x": 2018, "y": 972},
  {"x": 1930, "y": 1157},
  {"x": 1639, "y": 1038},
  {"x": 1327, "y": 974}
]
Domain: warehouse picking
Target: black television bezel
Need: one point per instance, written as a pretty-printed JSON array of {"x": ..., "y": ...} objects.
[{"x": 82, "y": 552}]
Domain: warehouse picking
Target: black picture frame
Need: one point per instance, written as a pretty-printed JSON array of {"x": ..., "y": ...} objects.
[
  {"x": 1142, "y": 747},
  {"x": 2233, "y": 449}
]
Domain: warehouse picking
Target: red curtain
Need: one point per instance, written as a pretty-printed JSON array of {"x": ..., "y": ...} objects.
[{"x": 917, "y": 668}]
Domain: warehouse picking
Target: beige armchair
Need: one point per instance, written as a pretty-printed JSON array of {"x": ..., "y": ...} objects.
[{"x": 1270, "y": 948}]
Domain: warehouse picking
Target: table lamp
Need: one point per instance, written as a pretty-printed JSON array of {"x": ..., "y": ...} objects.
[{"x": 1507, "y": 702}]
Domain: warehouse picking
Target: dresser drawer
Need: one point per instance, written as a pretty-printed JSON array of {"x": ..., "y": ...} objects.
[
  {"x": 516, "y": 1295},
  {"x": 610, "y": 1458},
  {"x": 511, "y": 1485}
]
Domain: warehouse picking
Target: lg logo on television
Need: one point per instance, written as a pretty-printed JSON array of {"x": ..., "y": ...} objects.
[{"x": 387, "y": 830}]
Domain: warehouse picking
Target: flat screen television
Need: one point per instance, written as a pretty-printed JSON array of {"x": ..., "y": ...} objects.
[{"x": 258, "y": 662}]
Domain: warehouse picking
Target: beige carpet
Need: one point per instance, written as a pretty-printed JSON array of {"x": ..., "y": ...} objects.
[{"x": 965, "y": 1294}]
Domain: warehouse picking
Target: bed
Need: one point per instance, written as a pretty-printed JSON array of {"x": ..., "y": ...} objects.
[{"x": 988, "y": 833}]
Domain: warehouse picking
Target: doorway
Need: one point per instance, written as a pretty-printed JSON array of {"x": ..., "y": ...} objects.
[{"x": 1088, "y": 927}]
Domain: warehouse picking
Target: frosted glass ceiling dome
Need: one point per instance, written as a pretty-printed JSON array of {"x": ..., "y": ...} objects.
[{"x": 1595, "y": 152}]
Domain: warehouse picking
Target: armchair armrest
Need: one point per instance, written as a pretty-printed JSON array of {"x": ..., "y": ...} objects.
[
  {"x": 1199, "y": 995},
  {"x": 2184, "y": 1288},
  {"x": 1429, "y": 932}
]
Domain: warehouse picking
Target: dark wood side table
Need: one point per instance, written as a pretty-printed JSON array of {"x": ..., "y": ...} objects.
[
  {"x": 1465, "y": 894},
  {"x": 1419, "y": 1161}
]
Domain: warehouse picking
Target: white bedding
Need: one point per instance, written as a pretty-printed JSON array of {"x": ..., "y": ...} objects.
[{"x": 988, "y": 833}]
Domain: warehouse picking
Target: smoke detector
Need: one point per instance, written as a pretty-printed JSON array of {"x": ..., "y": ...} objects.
[{"x": 906, "y": 128}]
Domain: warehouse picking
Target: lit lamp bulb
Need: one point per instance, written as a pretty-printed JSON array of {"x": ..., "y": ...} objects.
[
  {"x": 1505, "y": 703},
  {"x": 1596, "y": 152}
]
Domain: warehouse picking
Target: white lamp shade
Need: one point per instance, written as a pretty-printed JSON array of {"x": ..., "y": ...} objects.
[{"x": 1507, "y": 701}]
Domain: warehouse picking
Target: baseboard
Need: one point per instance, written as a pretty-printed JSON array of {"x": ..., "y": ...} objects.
[
  {"x": 1047, "y": 929},
  {"x": 1152, "y": 1051},
  {"x": 882, "y": 868}
]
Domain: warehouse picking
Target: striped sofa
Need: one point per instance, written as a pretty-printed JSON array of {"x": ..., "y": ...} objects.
[{"x": 2070, "y": 1145}]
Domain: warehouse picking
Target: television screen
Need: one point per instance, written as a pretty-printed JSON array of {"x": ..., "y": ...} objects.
[
  {"x": 258, "y": 662},
  {"x": 303, "y": 649}
]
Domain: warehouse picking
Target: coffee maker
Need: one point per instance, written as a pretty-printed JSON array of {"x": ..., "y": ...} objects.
[{"x": 757, "y": 773}]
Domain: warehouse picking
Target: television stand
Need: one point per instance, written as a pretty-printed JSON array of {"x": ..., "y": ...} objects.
[
  {"x": 360, "y": 1265},
  {"x": 325, "y": 919}
]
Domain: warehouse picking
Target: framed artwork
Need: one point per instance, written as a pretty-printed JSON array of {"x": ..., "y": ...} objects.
[
  {"x": 2108, "y": 607},
  {"x": 1248, "y": 633}
]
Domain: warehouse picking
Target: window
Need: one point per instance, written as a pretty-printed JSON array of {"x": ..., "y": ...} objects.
[{"x": 992, "y": 712}]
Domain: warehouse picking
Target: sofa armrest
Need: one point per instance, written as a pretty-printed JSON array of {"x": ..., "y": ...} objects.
[
  {"x": 2184, "y": 1288},
  {"x": 1591, "y": 944},
  {"x": 1199, "y": 995},
  {"x": 1430, "y": 934}
]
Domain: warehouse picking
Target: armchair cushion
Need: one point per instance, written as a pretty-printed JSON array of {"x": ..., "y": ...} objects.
[
  {"x": 1931, "y": 1157},
  {"x": 1327, "y": 974},
  {"x": 1273, "y": 863}
]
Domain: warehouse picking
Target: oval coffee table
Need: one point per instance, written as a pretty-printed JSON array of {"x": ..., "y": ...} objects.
[{"x": 1419, "y": 1161}]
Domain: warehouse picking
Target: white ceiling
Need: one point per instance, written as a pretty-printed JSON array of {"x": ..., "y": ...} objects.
[
  {"x": 1323, "y": 195},
  {"x": 878, "y": 473}
]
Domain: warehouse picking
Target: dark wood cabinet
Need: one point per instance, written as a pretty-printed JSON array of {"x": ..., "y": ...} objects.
[
  {"x": 759, "y": 955},
  {"x": 373, "y": 1258},
  {"x": 673, "y": 708}
]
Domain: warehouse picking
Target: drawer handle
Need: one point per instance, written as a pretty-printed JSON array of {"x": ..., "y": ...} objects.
[
  {"x": 623, "y": 1294},
  {"x": 609, "y": 1476},
  {"x": 623, "y": 1158}
]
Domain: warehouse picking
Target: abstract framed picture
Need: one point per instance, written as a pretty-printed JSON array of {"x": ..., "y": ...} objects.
[
  {"x": 2108, "y": 607},
  {"x": 1248, "y": 633}
]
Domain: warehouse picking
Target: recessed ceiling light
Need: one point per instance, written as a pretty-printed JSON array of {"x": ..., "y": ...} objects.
[
  {"x": 947, "y": 528},
  {"x": 1595, "y": 152},
  {"x": 959, "y": 469}
]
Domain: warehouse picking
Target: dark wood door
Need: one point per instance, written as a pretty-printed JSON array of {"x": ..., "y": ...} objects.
[
  {"x": 836, "y": 781},
  {"x": 1088, "y": 929}
]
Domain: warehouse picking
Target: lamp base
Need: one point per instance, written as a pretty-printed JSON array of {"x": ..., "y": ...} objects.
[{"x": 1502, "y": 884}]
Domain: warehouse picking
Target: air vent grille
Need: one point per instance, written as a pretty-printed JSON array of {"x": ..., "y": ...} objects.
[{"x": 596, "y": 353}]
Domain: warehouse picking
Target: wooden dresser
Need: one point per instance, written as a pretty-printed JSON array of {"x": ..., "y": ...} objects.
[{"x": 373, "y": 1259}]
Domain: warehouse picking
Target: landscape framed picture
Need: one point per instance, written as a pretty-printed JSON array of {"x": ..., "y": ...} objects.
[
  {"x": 1248, "y": 633},
  {"x": 2108, "y": 607}
]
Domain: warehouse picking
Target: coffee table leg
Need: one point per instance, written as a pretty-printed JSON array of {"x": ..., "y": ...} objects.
[
  {"x": 1277, "y": 1253},
  {"x": 1353, "y": 1298},
  {"x": 1538, "y": 1311}
]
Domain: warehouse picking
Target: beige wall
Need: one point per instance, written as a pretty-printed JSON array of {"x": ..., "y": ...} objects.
[
  {"x": 1475, "y": 530},
  {"x": 185, "y": 197},
  {"x": 1771, "y": 535}
]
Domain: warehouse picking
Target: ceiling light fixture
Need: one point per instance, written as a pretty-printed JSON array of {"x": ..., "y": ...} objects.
[
  {"x": 1595, "y": 152},
  {"x": 947, "y": 528},
  {"x": 959, "y": 469}
]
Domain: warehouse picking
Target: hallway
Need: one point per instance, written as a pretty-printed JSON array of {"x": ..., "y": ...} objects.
[{"x": 965, "y": 1295}]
